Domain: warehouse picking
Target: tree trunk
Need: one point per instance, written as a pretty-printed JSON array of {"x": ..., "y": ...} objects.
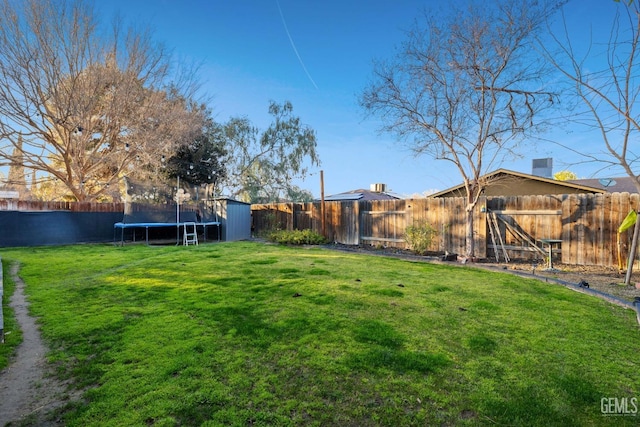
[
  {"x": 470, "y": 241},
  {"x": 632, "y": 252}
]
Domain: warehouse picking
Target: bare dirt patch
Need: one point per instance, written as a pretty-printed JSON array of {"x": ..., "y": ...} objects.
[{"x": 603, "y": 279}]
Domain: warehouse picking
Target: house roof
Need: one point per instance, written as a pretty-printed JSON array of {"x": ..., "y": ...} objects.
[
  {"x": 623, "y": 184},
  {"x": 360, "y": 194},
  {"x": 508, "y": 182}
]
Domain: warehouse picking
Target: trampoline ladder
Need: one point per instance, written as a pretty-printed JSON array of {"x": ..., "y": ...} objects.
[{"x": 190, "y": 234}]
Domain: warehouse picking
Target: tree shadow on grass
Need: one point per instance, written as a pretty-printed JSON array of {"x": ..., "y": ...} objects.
[{"x": 386, "y": 351}]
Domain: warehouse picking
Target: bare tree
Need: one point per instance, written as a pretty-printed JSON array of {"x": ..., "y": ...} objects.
[
  {"x": 85, "y": 107},
  {"x": 466, "y": 88},
  {"x": 610, "y": 94}
]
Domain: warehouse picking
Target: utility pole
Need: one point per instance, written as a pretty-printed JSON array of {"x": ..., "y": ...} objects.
[{"x": 322, "y": 211}]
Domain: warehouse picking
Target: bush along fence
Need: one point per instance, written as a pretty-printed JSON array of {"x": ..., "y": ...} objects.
[{"x": 580, "y": 229}]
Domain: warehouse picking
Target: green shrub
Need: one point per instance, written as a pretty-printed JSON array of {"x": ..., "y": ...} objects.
[
  {"x": 296, "y": 237},
  {"x": 419, "y": 236}
]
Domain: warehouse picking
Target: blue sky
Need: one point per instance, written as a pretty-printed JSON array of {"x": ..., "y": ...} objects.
[{"x": 246, "y": 48}]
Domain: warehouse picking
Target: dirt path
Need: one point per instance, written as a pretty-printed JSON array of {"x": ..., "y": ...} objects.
[{"x": 27, "y": 393}]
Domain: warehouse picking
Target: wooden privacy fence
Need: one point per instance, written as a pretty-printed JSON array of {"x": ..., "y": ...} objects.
[{"x": 584, "y": 224}]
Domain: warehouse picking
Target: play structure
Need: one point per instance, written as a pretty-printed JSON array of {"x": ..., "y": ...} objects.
[
  {"x": 178, "y": 212},
  {"x": 186, "y": 224}
]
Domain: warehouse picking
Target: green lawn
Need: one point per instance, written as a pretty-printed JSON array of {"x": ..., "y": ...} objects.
[{"x": 251, "y": 334}]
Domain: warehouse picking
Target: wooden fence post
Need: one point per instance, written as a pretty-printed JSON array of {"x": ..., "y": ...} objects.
[{"x": 322, "y": 206}]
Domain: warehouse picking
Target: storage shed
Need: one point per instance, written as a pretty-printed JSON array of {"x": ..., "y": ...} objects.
[{"x": 235, "y": 218}]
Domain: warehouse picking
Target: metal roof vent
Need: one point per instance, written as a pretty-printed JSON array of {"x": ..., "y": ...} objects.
[
  {"x": 542, "y": 167},
  {"x": 378, "y": 188}
]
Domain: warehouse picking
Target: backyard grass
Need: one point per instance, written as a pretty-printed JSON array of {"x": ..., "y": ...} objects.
[{"x": 247, "y": 333}]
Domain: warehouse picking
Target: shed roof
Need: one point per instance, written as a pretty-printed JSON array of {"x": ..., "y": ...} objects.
[{"x": 229, "y": 199}]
